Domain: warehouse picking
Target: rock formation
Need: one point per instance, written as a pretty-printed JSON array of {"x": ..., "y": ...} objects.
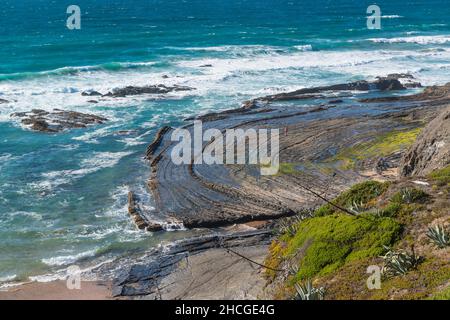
[
  {"x": 431, "y": 150},
  {"x": 57, "y": 120}
]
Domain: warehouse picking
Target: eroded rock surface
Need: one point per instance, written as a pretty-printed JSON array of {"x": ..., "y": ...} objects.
[
  {"x": 431, "y": 151},
  {"x": 57, "y": 120},
  {"x": 199, "y": 268},
  {"x": 313, "y": 145}
]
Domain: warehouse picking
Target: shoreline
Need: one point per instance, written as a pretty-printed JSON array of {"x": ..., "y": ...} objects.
[{"x": 417, "y": 105}]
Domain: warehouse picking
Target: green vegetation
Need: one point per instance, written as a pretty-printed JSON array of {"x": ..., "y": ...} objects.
[
  {"x": 293, "y": 168},
  {"x": 443, "y": 295},
  {"x": 439, "y": 236},
  {"x": 417, "y": 284},
  {"x": 399, "y": 263},
  {"x": 334, "y": 248},
  {"x": 409, "y": 195},
  {"x": 383, "y": 145},
  {"x": 329, "y": 242},
  {"x": 306, "y": 291},
  {"x": 360, "y": 194},
  {"x": 441, "y": 177}
]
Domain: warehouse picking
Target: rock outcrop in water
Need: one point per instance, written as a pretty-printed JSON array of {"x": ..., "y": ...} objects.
[
  {"x": 3, "y": 101},
  {"x": 57, "y": 120},
  {"x": 388, "y": 83},
  {"x": 91, "y": 93},
  {"x": 156, "y": 89},
  {"x": 135, "y": 213},
  {"x": 431, "y": 151}
]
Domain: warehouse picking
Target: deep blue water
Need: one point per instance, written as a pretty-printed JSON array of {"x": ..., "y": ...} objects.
[{"x": 63, "y": 196}]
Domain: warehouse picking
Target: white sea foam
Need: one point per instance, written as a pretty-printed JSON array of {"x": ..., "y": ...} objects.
[
  {"x": 8, "y": 278},
  {"x": 424, "y": 40},
  {"x": 248, "y": 70},
  {"x": 95, "y": 162},
  {"x": 31, "y": 215},
  {"x": 68, "y": 259},
  {"x": 391, "y": 16}
]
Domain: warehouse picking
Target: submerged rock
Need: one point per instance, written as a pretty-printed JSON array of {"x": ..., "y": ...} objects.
[
  {"x": 431, "y": 151},
  {"x": 3, "y": 101},
  {"x": 57, "y": 120}
]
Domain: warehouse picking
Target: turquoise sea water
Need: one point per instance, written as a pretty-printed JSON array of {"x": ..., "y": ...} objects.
[{"x": 63, "y": 196}]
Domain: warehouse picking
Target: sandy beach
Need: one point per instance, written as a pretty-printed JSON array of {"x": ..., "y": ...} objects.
[{"x": 57, "y": 290}]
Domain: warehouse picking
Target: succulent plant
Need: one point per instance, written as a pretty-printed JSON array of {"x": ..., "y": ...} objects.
[
  {"x": 290, "y": 225},
  {"x": 306, "y": 291},
  {"x": 357, "y": 207},
  {"x": 409, "y": 195},
  {"x": 439, "y": 236},
  {"x": 376, "y": 212},
  {"x": 286, "y": 227},
  {"x": 399, "y": 262}
]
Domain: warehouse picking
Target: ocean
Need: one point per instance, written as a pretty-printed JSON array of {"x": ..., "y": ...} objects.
[{"x": 63, "y": 197}]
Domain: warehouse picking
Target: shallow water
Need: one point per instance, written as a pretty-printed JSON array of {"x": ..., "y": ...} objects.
[{"x": 63, "y": 197}]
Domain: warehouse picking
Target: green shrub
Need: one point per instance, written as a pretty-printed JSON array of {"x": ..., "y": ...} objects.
[
  {"x": 392, "y": 209},
  {"x": 441, "y": 177},
  {"x": 443, "y": 295},
  {"x": 410, "y": 195},
  {"x": 329, "y": 242},
  {"x": 361, "y": 194}
]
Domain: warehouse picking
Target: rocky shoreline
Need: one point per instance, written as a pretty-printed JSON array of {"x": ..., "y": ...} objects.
[
  {"x": 212, "y": 197},
  {"x": 334, "y": 136}
]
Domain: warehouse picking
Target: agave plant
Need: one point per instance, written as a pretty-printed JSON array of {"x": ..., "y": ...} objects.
[
  {"x": 409, "y": 195},
  {"x": 287, "y": 227},
  {"x": 304, "y": 214},
  {"x": 357, "y": 207},
  {"x": 376, "y": 212},
  {"x": 399, "y": 262},
  {"x": 439, "y": 236},
  {"x": 306, "y": 291},
  {"x": 290, "y": 225}
]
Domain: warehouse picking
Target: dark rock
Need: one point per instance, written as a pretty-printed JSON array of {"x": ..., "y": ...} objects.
[
  {"x": 3, "y": 101},
  {"x": 382, "y": 83},
  {"x": 135, "y": 212},
  {"x": 335, "y": 101},
  {"x": 206, "y": 66},
  {"x": 434, "y": 95},
  {"x": 153, "y": 227},
  {"x": 91, "y": 93},
  {"x": 57, "y": 120},
  {"x": 388, "y": 84},
  {"x": 431, "y": 151},
  {"x": 92, "y": 101},
  {"x": 158, "y": 89},
  {"x": 156, "y": 141},
  {"x": 400, "y": 76}
]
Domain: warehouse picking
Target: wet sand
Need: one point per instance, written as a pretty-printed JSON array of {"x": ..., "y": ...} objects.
[{"x": 57, "y": 290}]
